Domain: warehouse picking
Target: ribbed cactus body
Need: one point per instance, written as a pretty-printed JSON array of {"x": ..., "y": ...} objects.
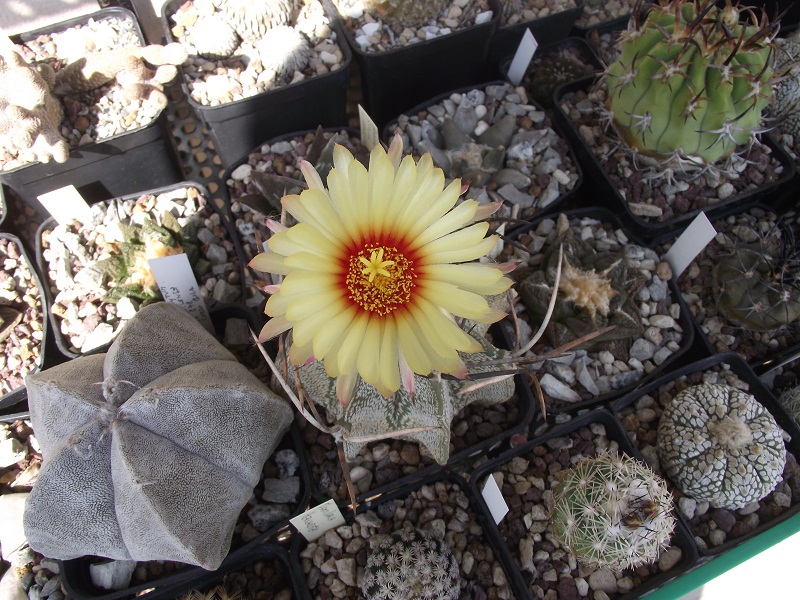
[
  {"x": 613, "y": 511},
  {"x": 757, "y": 287},
  {"x": 692, "y": 80}
]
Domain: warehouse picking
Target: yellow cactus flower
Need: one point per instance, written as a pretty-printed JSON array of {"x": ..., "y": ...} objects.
[{"x": 375, "y": 271}]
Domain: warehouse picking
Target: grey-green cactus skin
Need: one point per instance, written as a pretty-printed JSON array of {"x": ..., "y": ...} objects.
[
  {"x": 151, "y": 450},
  {"x": 434, "y": 403},
  {"x": 719, "y": 444}
]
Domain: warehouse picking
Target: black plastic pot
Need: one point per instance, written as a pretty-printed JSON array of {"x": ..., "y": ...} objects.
[
  {"x": 539, "y": 446},
  {"x": 49, "y": 224},
  {"x": 237, "y": 126},
  {"x": 578, "y": 47},
  {"x": 594, "y": 36},
  {"x": 552, "y": 206},
  {"x": 270, "y": 554},
  {"x": 400, "y": 497},
  {"x": 546, "y": 30},
  {"x": 685, "y": 320},
  {"x": 395, "y": 80},
  {"x": 599, "y": 179},
  {"x": 75, "y": 573},
  {"x": 14, "y": 401},
  {"x": 762, "y": 395},
  {"x": 3, "y": 208},
  {"x": 142, "y": 158},
  {"x": 761, "y": 361}
]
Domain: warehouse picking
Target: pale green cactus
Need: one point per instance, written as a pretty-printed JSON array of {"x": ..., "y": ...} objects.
[
  {"x": 692, "y": 80},
  {"x": 613, "y": 511}
]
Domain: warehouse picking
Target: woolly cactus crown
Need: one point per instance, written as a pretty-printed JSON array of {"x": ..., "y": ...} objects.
[
  {"x": 692, "y": 80},
  {"x": 151, "y": 450}
]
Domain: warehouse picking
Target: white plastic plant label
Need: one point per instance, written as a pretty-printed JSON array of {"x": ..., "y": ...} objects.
[
  {"x": 691, "y": 242},
  {"x": 65, "y": 205},
  {"x": 494, "y": 499},
  {"x": 370, "y": 136},
  {"x": 313, "y": 523},
  {"x": 522, "y": 57},
  {"x": 178, "y": 285}
]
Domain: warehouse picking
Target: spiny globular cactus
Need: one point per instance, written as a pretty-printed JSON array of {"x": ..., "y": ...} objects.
[
  {"x": 411, "y": 564},
  {"x": 758, "y": 286},
  {"x": 613, "y": 511},
  {"x": 719, "y": 444},
  {"x": 692, "y": 80}
]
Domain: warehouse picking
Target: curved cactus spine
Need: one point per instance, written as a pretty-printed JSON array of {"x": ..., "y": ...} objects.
[
  {"x": 692, "y": 80},
  {"x": 613, "y": 511}
]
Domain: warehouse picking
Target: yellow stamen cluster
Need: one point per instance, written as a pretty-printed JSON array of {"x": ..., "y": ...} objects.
[{"x": 381, "y": 283}]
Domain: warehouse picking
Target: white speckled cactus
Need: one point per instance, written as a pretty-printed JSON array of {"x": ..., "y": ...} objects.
[
  {"x": 613, "y": 511},
  {"x": 434, "y": 404},
  {"x": 719, "y": 444},
  {"x": 151, "y": 450},
  {"x": 411, "y": 564}
]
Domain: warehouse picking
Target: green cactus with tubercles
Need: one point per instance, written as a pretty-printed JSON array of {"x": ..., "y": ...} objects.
[
  {"x": 612, "y": 511},
  {"x": 758, "y": 285},
  {"x": 692, "y": 80}
]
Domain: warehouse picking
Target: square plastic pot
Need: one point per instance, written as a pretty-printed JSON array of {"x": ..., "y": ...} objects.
[
  {"x": 763, "y": 358},
  {"x": 608, "y": 194},
  {"x": 443, "y": 497},
  {"x": 14, "y": 401},
  {"x": 558, "y": 444},
  {"x": 684, "y": 321},
  {"x": 236, "y": 127},
  {"x": 142, "y": 158},
  {"x": 575, "y": 46},
  {"x": 394, "y": 81},
  {"x": 770, "y": 513},
  {"x": 49, "y": 224},
  {"x": 553, "y": 28}
]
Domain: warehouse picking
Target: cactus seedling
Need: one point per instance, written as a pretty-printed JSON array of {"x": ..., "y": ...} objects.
[
  {"x": 692, "y": 80},
  {"x": 613, "y": 511},
  {"x": 758, "y": 286},
  {"x": 411, "y": 564},
  {"x": 407, "y": 13}
]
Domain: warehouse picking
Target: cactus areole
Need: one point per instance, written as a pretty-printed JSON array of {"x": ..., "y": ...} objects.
[{"x": 692, "y": 80}]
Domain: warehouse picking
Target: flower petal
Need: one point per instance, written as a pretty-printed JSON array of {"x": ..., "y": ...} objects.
[
  {"x": 484, "y": 279},
  {"x": 453, "y": 253},
  {"x": 314, "y": 208},
  {"x": 274, "y": 327},
  {"x": 269, "y": 262},
  {"x": 389, "y": 369},
  {"x": 348, "y": 351},
  {"x": 311, "y": 176},
  {"x": 369, "y": 355},
  {"x": 326, "y": 337},
  {"x": 345, "y": 386},
  {"x": 454, "y": 300},
  {"x": 460, "y": 216}
]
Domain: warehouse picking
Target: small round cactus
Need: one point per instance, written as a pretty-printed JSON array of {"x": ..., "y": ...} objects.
[
  {"x": 411, "y": 564},
  {"x": 720, "y": 445},
  {"x": 612, "y": 511},
  {"x": 758, "y": 286},
  {"x": 692, "y": 80},
  {"x": 790, "y": 400}
]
